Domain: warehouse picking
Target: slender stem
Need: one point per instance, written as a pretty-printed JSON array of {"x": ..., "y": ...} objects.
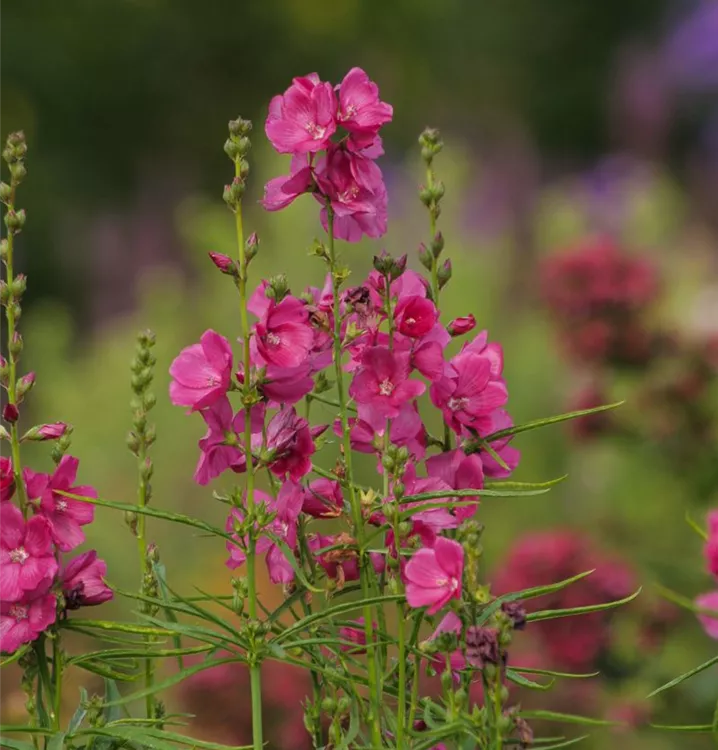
[
  {"x": 254, "y": 667},
  {"x": 401, "y": 712},
  {"x": 57, "y": 676},
  {"x": 45, "y": 684},
  {"x": 364, "y": 573}
]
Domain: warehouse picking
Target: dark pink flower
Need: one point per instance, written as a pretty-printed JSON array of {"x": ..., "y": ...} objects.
[
  {"x": 7, "y": 479},
  {"x": 323, "y": 499},
  {"x": 460, "y": 472},
  {"x": 83, "y": 581},
  {"x": 224, "y": 263},
  {"x": 415, "y": 316},
  {"x": 302, "y": 120},
  {"x": 710, "y": 550},
  {"x": 284, "y": 335},
  {"x": 709, "y": 622},
  {"x": 451, "y": 623},
  {"x": 469, "y": 394},
  {"x": 22, "y": 622},
  {"x": 435, "y": 520},
  {"x": 433, "y": 576},
  {"x": 287, "y": 385},
  {"x": 27, "y": 559},
  {"x": 510, "y": 456},
  {"x": 460, "y": 326},
  {"x": 52, "y": 431},
  {"x": 202, "y": 372},
  {"x": 382, "y": 385},
  {"x": 10, "y": 413},
  {"x": 222, "y": 447},
  {"x": 355, "y": 635},
  {"x": 360, "y": 110},
  {"x": 279, "y": 192},
  {"x": 65, "y": 515},
  {"x": 290, "y": 442}
]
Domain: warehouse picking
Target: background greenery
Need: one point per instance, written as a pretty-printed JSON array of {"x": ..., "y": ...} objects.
[{"x": 125, "y": 106}]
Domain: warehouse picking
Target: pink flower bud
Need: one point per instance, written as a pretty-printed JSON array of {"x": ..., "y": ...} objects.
[
  {"x": 460, "y": 326},
  {"x": 46, "y": 431},
  {"x": 24, "y": 385},
  {"x": 224, "y": 263},
  {"x": 10, "y": 413}
]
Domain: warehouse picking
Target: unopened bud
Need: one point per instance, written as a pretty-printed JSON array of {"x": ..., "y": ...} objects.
[
  {"x": 444, "y": 274},
  {"x": 153, "y": 553},
  {"x": 15, "y": 346},
  {"x": 133, "y": 442},
  {"x": 24, "y": 385},
  {"x": 147, "y": 470},
  {"x": 5, "y": 192},
  {"x": 225, "y": 264},
  {"x": 3, "y": 248},
  {"x": 52, "y": 431},
  {"x": 425, "y": 257},
  {"x": 10, "y": 413},
  {"x": 398, "y": 267},
  {"x": 460, "y": 326},
  {"x": 4, "y": 434},
  {"x": 146, "y": 338},
  {"x": 251, "y": 246},
  {"x": 131, "y": 521},
  {"x": 437, "y": 244},
  {"x": 278, "y": 288},
  {"x": 240, "y": 127},
  {"x": 4, "y": 293},
  {"x": 231, "y": 149},
  {"x": 18, "y": 172},
  {"x": 15, "y": 220},
  {"x": 18, "y": 286}
]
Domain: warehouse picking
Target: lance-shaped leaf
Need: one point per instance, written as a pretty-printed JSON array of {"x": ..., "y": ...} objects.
[
  {"x": 552, "y": 614},
  {"x": 685, "y": 676}
]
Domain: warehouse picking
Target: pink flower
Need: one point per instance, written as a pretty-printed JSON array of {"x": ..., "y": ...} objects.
[
  {"x": 222, "y": 447},
  {"x": 415, "y": 316},
  {"x": 27, "y": 559},
  {"x": 224, "y": 263},
  {"x": 202, "y": 372},
  {"x": 290, "y": 441},
  {"x": 360, "y": 110},
  {"x": 469, "y": 394},
  {"x": 451, "y": 623},
  {"x": 287, "y": 385},
  {"x": 7, "y": 479},
  {"x": 22, "y": 622},
  {"x": 500, "y": 420},
  {"x": 279, "y": 192},
  {"x": 460, "y": 472},
  {"x": 710, "y": 623},
  {"x": 323, "y": 499},
  {"x": 433, "y": 576},
  {"x": 302, "y": 120},
  {"x": 65, "y": 515},
  {"x": 356, "y": 635},
  {"x": 710, "y": 550},
  {"x": 284, "y": 335},
  {"x": 460, "y": 326},
  {"x": 382, "y": 385},
  {"x": 52, "y": 431},
  {"x": 83, "y": 581}
]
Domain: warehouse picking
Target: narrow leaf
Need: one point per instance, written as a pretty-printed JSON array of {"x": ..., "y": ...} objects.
[
  {"x": 685, "y": 676},
  {"x": 552, "y": 614}
]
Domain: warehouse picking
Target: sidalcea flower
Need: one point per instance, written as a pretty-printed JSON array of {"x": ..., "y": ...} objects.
[
  {"x": 27, "y": 559},
  {"x": 7, "y": 479},
  {"x": 22, "y": 622},
  {"x": 83, "y": 581},
  {"x": 460, "y": 472},
  {"x": 221, "y": 447},
  {"x": 360, "y": 110},
  {"x": 355, "y": 635},
  {"x": 709, "y": 622},
  {"x": 202, "y": 372},
  {"x": 284, "y": 335},
  {"x": 415, "y": 316},
  {"x": 510, "y": 456},
  {"x": 323, "y": 499},
  {"x": 290, "y": 443},
  {"x": 224, "y": 263},
  {"x": 460, "y": 326},
  {"x": 433, "y": 576},
  {"x": 382, "y": 385},
  {"x": 302, "y": 120},
  {"x": 52, "y": 431},
  {"x": 710, "y": 550},
  {"x": 279, "y": 192},
  {"x": 64, "y": 514}
]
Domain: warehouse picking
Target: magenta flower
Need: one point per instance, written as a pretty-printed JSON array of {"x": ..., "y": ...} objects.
[
  {"x": 279, "y": 192},
  {"x": 468, "y": 395},
  {"x": 323, "y": 499},
  {"x": 709, "y": 622},
  {"x": 451, "y": 623},
  {"x": 287, "y": 385},
  {"x": 202, "y": 372},
  {"x": 433, "y": 576},
  {"x": 65, "y": 515},
  {"x": 27, "y": 559},
  {"x": 284, "y": 335},
  {"x": 22, "y": 622},
  {"x": 302, "y": 120},
  {"x": 460, "y": 326},
  {"x": 460, "y": 472},
  {"x": 7, "y": 479},
  {"x": 355, "y": 635},
  {"x": 360, "y": 110},
  {"x": 83, "y": 581},
  {"x": 222, "y": 446},
  {"x": 236, "y": 549},
  {"x": 415, "y": 316},
  {"x": 290, "y": 442},
  {"x": 710, "y": 550},
  {"x": 500, "y": 420},
  {"x": 52, "y": 431},
  {"x": 382, "y": 385}
]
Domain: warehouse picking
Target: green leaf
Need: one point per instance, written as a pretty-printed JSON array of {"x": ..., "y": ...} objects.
[
  {"x": 552, "y": 614},
  {"x": 11, "y": 744},
  {"x": 98, "y": 668},
  {"x": 514, "y": 676},
  {"x": 566, "y": 718},
  {"x": 685, "y": 676},
  {"x": 114, "y": 627},
  {"x": 421, "y": 496},
  {"x": 525, "y": 485},
  {"x": 56, "y": 742},
  {"x": 535, "y": 424},
  {"x": 79, "y": 716},
  {"x": 685, "y": 602},
  {"x": 702, "y": 533},
  {"x": 136, "y": 653},
  {"x": 156, "y": 739},
  {"x": 12, "y": 658},
  {"x": 161, "y": 575},
  {"x": 566, "y": 743},
  {"x": 292, "y": 560},
  {"x": 112, "y": 701},
  {"x": 707, "y": 728},
  {"x": 551, "y": 673}
]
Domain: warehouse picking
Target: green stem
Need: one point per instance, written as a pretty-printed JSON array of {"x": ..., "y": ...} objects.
[
  {"x": 364, "y": 572},
  {"x": 254, "y": 667},
  {"x": 57, "y": 677},
  {"x": 401, "y": 712}
]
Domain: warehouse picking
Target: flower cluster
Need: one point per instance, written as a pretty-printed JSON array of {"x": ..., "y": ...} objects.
[
  {"x": 333, "y": 136},
  {"x": 598, "y": 295}
]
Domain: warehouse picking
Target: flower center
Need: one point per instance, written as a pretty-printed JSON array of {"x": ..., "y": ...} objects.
[
  {"x": 61, "y": 506},
  {"x": 349, "y": 112},
  {"x": 315, "y": 131},
  {"x": 18, "y": 611},
  {"x": 19, "y": 555},
  {"x": 386, "y": 387},
  {"x": 212, "y": 380},
  {"x": 349, "y": 194},
  {"x": 457, "y": 403},
  {"x": 273, "y": 339},
  {"x": 410, "y": 321}
]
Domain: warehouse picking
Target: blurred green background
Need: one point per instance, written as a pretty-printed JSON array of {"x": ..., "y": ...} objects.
[{"x": 561, "y": 119}]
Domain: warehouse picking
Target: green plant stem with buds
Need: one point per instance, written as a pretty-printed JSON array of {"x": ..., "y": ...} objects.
[
  {"x": 364, "y": 573},
  {"x": 255, "y": 676}
]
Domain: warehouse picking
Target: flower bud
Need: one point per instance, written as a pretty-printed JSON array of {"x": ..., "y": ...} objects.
[
  {"x": 15, "y": 346},
  {"x": 437, "y": 244},
  {"x": 10, "y": 413},
  {"x": 133, "y": 442},
  {"x": 460, "y": 326},
  {"x": 225, "y": 264},
  {"x": 3, "y": 249},
  {"x": 18, "y": 286},
  {"x": 278, "y": 288},
  {"x": 240, "y": 127},
  {"x": 4, "y": 371},
  {"x": 444, "y": 274},
  {"x": 4, "y": 434},
  {"x": 15, "y": 221},
  {"x": 251, "y": 246},
  {"x": 425, "y": 257},
  {"x": 52, "y": 431},
  {"x": 5, "y": 192},
  {"x": 153, "y": 553},
  {"x": 232, "y": 149},
  {"x": 24, "y": 385},
  {"x": 18, "y": 172},
  {"x": 383, "y": 263},
  {"x": 4, "y": 293}
]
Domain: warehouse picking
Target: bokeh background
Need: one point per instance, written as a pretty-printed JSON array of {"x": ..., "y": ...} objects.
[{"x": 563, "y": 121}]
